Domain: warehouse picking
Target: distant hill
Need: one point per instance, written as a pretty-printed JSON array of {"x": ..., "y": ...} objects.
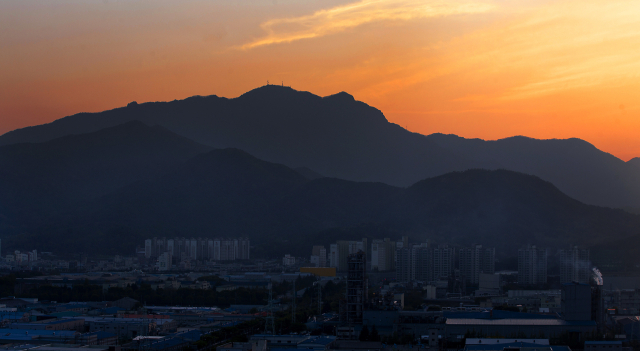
[
  {"x": 230, "y": 193},
  {"x": 308, "y": 173},
  {"x": 339, "y": 137},
  {"x": 576, "y": 167},
  {"x": 44, "y": 178}
]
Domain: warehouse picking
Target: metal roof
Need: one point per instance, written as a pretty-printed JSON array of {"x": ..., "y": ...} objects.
[
  {"x": 603, "y": 342},
  {"x": 512, "y": 321}
]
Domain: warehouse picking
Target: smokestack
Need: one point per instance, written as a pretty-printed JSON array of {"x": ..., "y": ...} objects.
[{"x": 597, "y": 276}]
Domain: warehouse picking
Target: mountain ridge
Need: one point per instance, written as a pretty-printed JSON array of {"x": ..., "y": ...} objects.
[
  {"x": 228, "y": 192},
  {"x": 338, "y": 136},
  {"x": 41, "y": 177}
]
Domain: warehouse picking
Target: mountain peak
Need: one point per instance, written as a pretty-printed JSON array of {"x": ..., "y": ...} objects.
[
  {"x": 342, "y": 96},
  {"x": 272, "y": 90}
]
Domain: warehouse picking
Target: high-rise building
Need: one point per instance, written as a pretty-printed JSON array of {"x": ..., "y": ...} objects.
[
  {"x": 532, "y": 265},
  {"x": 179, "y": 247},
  {"x": 356, "y": 286},
  {"x": 227, "y": 251},
  {"x": 323, "y": 258},
  {"x": 320, "y": 254},
  {"x": 245, "y": 249},
  {"x": 217, "y": 249},
  {"x": 193, "y": 249},
  {"x": 414, "y": 263},
  {"x": 443, "y": 262},
  {"x": 164, "y": 261},
  {"x": 288, "y": 260},
  {"x": 405, "y": 241},
  {"x": 199, "y": 249},
  {"x": 488, "y": 260},
  {"x": 345, "y": 248},
  {"x": 334, "y": 255},
  {"x": 202, "y": 249},
  {"x": 475, "y": 260},
  {"x": 421, "y": 263},
  {"x": 170, "y": 246},
  {"x": 383, "y": 255},
  {"x": 378, "y": 255},
  {"x": 575, "y": 265},
  {"x": 403, "y": 265},
  {"x": 147, "y": 248}
]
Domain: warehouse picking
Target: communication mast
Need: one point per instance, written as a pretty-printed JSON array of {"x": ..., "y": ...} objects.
[
  {"x": 319, "y": 298},
  {"x": 270, "y": 325},
  {"x": 293, "y": 303}
]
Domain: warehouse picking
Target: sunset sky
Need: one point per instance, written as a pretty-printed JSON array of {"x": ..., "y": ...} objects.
[{"x": 479, "y": 69}]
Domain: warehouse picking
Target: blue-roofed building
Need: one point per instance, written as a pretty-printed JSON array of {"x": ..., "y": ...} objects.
[
  {"x": 454, "y": 325},
  {"x": 281, "y": 341},
  {"x": 492, "y": 341},
  {"x": 258, "y": 345},
  {"x": 109, "y": 310},
  {"x": 191, "y": 335},
  {"x": 173, "y": 342},
  {"x": 602, "y": 345},
  {"x": 522, "y": 346},
  {"x": 14, "y": 317},
  {"x": 10, "y": 336},
  {"x": 167, "y": 344},
  {"x": 509, "y": 327},
  {"x": 74, "y": 307},
  {"x": 103, "y": 338},
  {"x": 317, "y": 344},
  {"x": 54, "y": 324},
  {"x": 472, "y": 344},
  {"x": 496, "y": 314},
  {"x": 122, "y": 327},
  {"x": 65, "y": 314}
]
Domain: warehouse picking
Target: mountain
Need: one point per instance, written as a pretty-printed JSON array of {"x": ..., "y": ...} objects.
[
  {"x": 576, "y": 167},
  {"x": 230, "y": 193},
  {"x": 308, "y": 173},
  {"x": 634, "y": 162},
  {"x": 43, "y": 178},
  {"x": 337, "y": 136}
]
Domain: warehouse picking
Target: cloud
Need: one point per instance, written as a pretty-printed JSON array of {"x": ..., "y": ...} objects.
[
  {"x": 341, "y": 18},
  {"x": 574, "y": 45}
]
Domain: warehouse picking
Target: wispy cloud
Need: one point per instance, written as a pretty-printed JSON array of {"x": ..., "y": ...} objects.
[
  {"x": 576, "y": 44},
  {"x": 341, "y": 18}
]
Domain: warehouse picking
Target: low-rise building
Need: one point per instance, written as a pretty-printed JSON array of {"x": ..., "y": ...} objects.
[
  {"x": 122, "y": 327},
  {"x": 56, "y": 324},
  {"x": 256, "y": 345},
  {"x": 602, "y": 345}
]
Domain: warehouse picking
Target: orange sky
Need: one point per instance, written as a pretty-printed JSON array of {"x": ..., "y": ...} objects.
[{"x": 479, "y": 69}]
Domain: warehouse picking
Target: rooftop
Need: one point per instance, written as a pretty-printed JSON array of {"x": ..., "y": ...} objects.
[{"x": 513, "y": 321}]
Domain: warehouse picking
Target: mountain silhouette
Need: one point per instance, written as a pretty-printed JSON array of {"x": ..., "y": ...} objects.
[
  {"x": 337, "y": 136},
  {"x": 576, "y": 167},
  {"x": 230, "y": 193},
  {"x": 42, "y": 178}
]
